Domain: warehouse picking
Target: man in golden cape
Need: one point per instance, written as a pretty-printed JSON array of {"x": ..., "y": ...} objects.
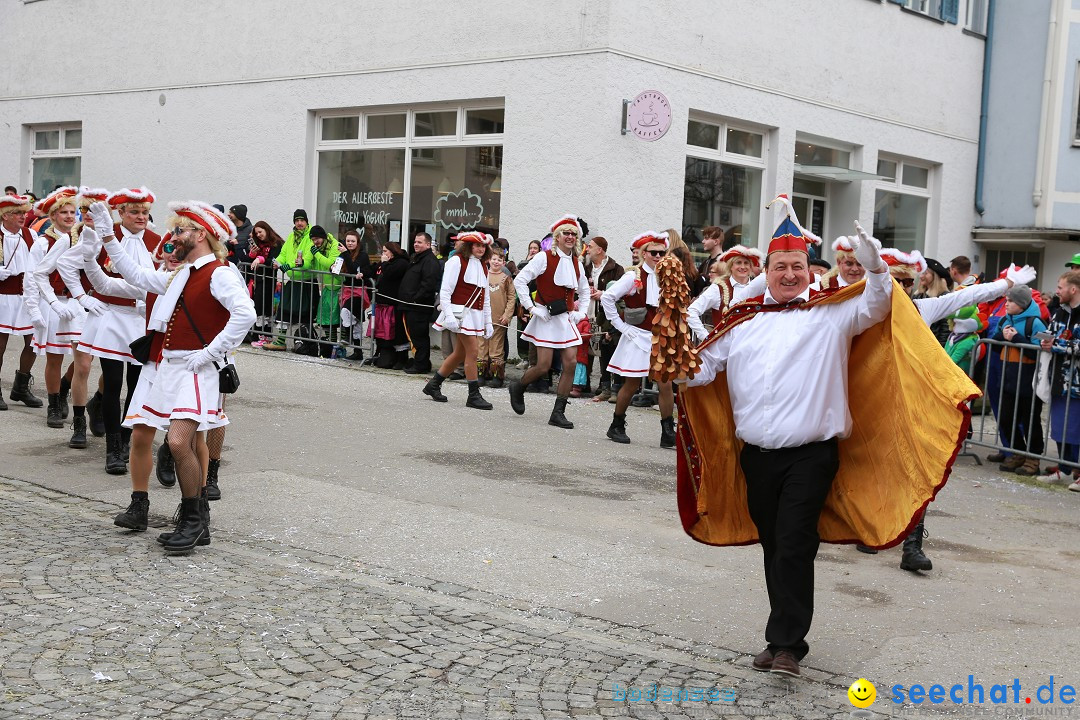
[{"x": 801, "y": 469}]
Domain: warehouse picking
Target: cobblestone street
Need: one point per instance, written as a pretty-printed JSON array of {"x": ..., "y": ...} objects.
[
  {"x": 98, "y": 624},
  {"x": 379, "y": 556}
]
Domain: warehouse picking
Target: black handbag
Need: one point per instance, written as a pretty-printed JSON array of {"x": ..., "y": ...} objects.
[
  {"x": 557, "y": 307},
  {"x": 228, "y": 378},
  {"x": 140, "y": 349}
]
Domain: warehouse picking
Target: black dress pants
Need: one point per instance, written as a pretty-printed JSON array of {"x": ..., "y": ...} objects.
[
  {"x": 419, "y": 324},
  {"x": 785, "y": 492}
]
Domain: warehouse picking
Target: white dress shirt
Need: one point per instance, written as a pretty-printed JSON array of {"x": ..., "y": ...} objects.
[
  {"x": 787, "y": 371},
  {"x": 934, "y": 309},
  {"x": 16, "y": 255},
  {"x": 707, "y": 301},
  {"x": 564, "y": 277},
  {"x": 226, "y": 286}
]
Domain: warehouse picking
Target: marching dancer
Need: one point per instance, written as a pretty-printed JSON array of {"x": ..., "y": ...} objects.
[
  {"x": 16, "y": 242},
  {"x": 202, "y": 313},
  {"x": 466, "y": 313},
  {"x": 640, "y": 293},
  {"x": 562, "y": 296},
  {"x": 57, "y": 318}
]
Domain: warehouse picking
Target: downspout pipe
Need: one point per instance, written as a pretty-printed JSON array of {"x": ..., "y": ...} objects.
[{"x": 980, "y": 165}]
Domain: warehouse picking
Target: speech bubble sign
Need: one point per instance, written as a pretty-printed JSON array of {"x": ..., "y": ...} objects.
[{"x": 459, "y": 211}]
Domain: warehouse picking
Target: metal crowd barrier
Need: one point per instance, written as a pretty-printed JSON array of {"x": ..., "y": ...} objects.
[
  {"x": 1013, "y": 418},
  {"x": 307, "y": 310}
]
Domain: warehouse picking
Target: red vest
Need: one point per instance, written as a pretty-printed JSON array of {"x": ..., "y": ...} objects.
[
  {"x": 717, "y": 316},
  {"x": 150, "y": 240},
  {"x": 637, "y": 300},
  {"x": 210, "y": 315},
  {"x": 465, "y": 294},
  {"x": 14, "y": 284},
  {"x": 57, "y": 283},
  {"x": 157, "y": 344},
  {"x": 546, "y": 289}
]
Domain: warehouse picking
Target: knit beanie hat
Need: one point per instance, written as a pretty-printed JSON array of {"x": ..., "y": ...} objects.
[
  {"x": 299, "y": 214},
  {"x": 1019, "y": 294},
  {"x": 240, "y": 211},
  {"x": 317, "y": 232}
]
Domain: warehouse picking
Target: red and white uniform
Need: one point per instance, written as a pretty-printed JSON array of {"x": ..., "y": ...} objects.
[
  {"x": 558, "y": 277},
  {"x": 632, "y": 355},
  {"x": 709, "y": 304},
  {"x": 110, "y": 334},
  {"x": 47, "y": 288},
  {"x": 464, "y": 291},
  {"x": 219, "y": 305},
  {"x": 14, "y": 318}
]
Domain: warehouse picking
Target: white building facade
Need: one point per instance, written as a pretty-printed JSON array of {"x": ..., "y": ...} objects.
[
  {"x": 400, "y": 117},
  {"x": 1029, "y": 192}
]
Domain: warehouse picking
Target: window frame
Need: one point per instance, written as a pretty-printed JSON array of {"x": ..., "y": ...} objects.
[
  {"x": 723, "y": 156},
  {"x": 897, "y": 186},
  {"x": 60, "y": 152},
  {"x": 968, "y": 6},
  {"x": 409, "y": 143},
  {"x": 1076, "y": 106}
]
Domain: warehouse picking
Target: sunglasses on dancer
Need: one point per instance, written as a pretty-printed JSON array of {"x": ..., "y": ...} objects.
[{"x": 657, "y": 253}]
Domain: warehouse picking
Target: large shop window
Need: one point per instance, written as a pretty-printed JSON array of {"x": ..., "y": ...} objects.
[
  {"x": 55, "y": 157},
  {"x": 901, "y": 203},
  {"x": 392, "y": 174},
  {"x": 724, "y": 168}
]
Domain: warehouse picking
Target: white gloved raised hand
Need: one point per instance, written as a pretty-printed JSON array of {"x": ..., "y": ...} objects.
[
  {"x": 63, "y": 309},
  {"x": 102, "y": 217},
  {"x": 4, "y": 274},
  {"x": 1020, "y": 275},
  {"x": 866, "y": 252},
  {"x": 196, "y": 361},
  {"x": 89, "y": 242},
  {"x": 451, "y": 323},
  {"x": 541, "y": 312},
  {"x": 92, "y": 305},
  {"x": 489, "y": 330}
]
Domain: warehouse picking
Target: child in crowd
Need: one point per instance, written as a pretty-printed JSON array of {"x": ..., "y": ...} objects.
[
  {"x": 964, "y": 336},
  {"x": 490, "y": 355},
  {"x": 1021, "y": 323},
  {"x": 581, "y": 373}
]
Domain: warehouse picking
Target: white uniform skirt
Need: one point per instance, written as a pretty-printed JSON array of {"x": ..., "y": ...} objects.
[
  {"x": 167, "y": 391},
  {"x": 557, "y": 332},
  {"x": 14, "y": 320},
  {"x": 472, "y": 322},
  {"x": 110, "y": 334},
  {"x": 59, "y": 334},
  {"x": 632, "y": 355}
]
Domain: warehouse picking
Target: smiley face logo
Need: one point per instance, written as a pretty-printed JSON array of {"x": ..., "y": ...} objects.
[{"x": 862, "y": 693}]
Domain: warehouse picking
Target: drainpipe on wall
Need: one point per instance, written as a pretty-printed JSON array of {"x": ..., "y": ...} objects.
[
  {"x": 1044, "y": 115},
  {"x": 984, "y": 103}
]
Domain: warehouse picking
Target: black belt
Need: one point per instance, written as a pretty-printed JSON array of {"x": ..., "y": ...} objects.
[{"x": 756, "y": 448}]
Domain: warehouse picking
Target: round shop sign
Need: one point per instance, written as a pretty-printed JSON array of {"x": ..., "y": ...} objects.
[{"x": 649, "y": 115}]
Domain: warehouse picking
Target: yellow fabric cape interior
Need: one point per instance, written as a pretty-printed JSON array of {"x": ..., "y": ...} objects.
[{"x": 909, "y": 411}]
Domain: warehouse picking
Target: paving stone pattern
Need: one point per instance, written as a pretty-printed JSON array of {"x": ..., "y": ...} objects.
[{"x": 97, "y": 623}]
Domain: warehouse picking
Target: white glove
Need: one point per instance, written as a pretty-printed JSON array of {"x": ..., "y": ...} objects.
[
  {"x": 92, "y": 305},
  {"x": 1020, "y": 275},
  {"x": 489, "y": 330},
  {"x": 196, "y": 361},
  {"x": 4, "y": 274},
  {"x": 90, "y": 243},
  {"x": 865, "y": 250},
  {"x": 35, "y": 318},
  {"x": 102, "y": 217},
  {"x": 541, "y": 312},
  {"x": 63, "y": 309},
  {"x": 576, "y": 317},
  {"x": 451, "y": 323}
]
